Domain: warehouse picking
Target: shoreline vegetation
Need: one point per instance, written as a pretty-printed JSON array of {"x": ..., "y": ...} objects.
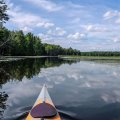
[
  {"x": 90, "y": 57},
  {"x": 17, "y": 43},
  {"x": 14, "y": 58}
]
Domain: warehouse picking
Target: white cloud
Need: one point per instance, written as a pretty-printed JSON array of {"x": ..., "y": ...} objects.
[
  {"x": 30, "y": 20},
  {"x": 116, "y": 39},
  {"x": 73, "y": 5},
  {"x": 60, "y": 31},
  {"x": 89, "y": 27},
  {"x": 57, "y": 31},
  {"x": 45, "y": 24},
  {"x": 46, "y": 38},
  {"x": 112, "y": 14},
  {"x": 43, "y": 36},
  {"x": 46, "y": 4},
  {"x": 95, "y": 28},
  {"x": 76, "y": 36},
  {"x": 27, "y": 29},
  {"x": 27, "y": 21}
]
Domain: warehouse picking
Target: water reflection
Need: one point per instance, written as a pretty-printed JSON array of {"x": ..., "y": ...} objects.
[
  {"x": 23, "y": 69},
  {"x": 86, "y": 90},
  {"x": 16, "y": 70},
  {"x": 3, "y": 99}
]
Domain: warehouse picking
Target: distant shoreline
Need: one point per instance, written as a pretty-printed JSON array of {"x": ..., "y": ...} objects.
[
  {"x": 25, "y": 56},
  {"x": 91, "y": 57},
  {"x": 66, "y": 57},
  {"x": 14, "y": 58}
]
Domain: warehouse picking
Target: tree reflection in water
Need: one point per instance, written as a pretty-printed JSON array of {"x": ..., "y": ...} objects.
[
  {"x": 16, "y": 70},
  {"x": 3, "y": 99}
]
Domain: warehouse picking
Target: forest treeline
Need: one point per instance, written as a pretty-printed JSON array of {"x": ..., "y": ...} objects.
[
  {"x": 16, "y": 43},
  {"x": 101, "y": 53}
]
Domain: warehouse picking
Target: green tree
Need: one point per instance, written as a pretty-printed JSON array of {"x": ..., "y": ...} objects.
[
  {"x": 16, "y": 43},
  {"x": 30, "y": 43},
  {"x": 4, "y": 41},
  {"x": 3, "y": 15},
  {"x": 38, "y": 47}
]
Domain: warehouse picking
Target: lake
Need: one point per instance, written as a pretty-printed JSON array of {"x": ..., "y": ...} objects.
[{"x": 80, "y": 89}]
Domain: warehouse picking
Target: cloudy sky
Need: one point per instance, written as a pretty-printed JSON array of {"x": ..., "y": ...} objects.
[{"x": 86, "y": 25}]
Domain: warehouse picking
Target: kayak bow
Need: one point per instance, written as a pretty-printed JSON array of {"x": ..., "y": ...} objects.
[{"x": 43, "y": 109}]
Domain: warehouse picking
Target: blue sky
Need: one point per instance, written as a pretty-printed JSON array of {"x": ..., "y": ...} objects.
[{"x": 86, "y": 25}]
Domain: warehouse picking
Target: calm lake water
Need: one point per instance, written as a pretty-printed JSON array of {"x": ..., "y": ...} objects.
[{"x": 81, "y": 90}]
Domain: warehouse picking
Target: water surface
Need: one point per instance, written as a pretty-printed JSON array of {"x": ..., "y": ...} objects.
[{"x": 81, "y": 90}]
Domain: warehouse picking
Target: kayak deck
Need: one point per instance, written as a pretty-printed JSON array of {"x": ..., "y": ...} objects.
[{"x": 43, "y": 97}]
